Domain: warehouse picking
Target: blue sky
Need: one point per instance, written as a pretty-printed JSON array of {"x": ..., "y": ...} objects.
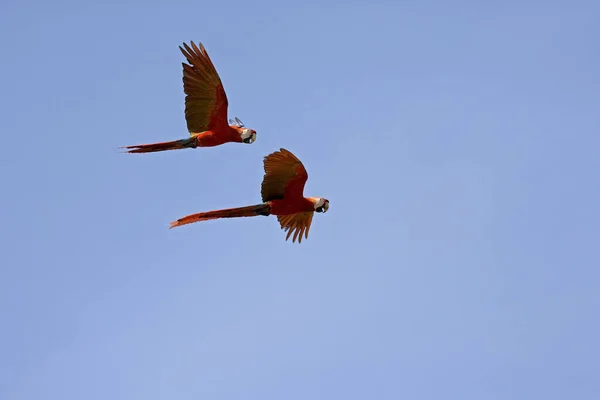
[{"x": 458, "y": 145}]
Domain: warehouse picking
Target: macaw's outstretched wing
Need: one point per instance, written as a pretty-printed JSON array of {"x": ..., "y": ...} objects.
[
  {"x": 298, "y": 224},
  {"x": 205, "y": 101},
  {"x": 285, "y": 177}
]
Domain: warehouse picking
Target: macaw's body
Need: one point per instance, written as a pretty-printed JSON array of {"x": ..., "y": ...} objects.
[
  {"x": 282, "y": 194},
  {"x": 205, "y": 108}
]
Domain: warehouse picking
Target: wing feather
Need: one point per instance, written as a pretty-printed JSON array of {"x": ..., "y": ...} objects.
[
  {"x": 205, "y": 101},
  {"x": 285, "y": 176},
  {"x": 296, "y": 224}
]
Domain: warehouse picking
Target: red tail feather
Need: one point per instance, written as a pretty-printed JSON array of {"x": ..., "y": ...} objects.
[
  {"x": 151, "y": 148},
  {"x": 249, "y": 211}
]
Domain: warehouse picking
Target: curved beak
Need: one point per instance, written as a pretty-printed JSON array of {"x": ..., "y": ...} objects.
[{"x": 323, "y": 208}]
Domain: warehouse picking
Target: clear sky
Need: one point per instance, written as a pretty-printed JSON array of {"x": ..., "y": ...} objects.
[{"x": 458, "y": 143}]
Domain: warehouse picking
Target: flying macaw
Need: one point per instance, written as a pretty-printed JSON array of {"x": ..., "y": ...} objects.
[
  {"x": 282, "y": 193},
  {"x": 205, "y": 108}
]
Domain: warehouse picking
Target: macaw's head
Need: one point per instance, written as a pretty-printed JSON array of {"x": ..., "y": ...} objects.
[
  {"x": 320, "y": 204},
  {"x": 246, "y": 135}
]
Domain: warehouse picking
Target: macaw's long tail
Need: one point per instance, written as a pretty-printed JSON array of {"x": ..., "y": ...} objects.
[
  {"x": 151, "y": 148},
  {"x": 250, "y": 211}
]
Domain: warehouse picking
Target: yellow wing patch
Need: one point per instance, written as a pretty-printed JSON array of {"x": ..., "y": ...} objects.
[{"x": 298, "y": 224}]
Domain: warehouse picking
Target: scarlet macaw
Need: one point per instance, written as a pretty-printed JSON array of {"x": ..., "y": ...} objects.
[
  {"x": 282, "y": 195},
  {"x": 205, "y": 108}
]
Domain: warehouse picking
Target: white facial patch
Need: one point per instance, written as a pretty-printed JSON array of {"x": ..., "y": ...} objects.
[
  {"x": 319, "y": 202},
  {"x": 248, "y": 134}
]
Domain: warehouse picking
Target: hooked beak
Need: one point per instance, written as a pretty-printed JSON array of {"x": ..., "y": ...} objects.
[
  {"x": 251, "y": 138},
  {"x": 323, "y": 208}
]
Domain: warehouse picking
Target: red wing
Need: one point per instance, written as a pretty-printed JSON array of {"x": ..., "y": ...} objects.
[
  {"x": 285, "y": 176},
  {"x": 205, "y": 101},
  {"x": 298, "y": 224}
]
